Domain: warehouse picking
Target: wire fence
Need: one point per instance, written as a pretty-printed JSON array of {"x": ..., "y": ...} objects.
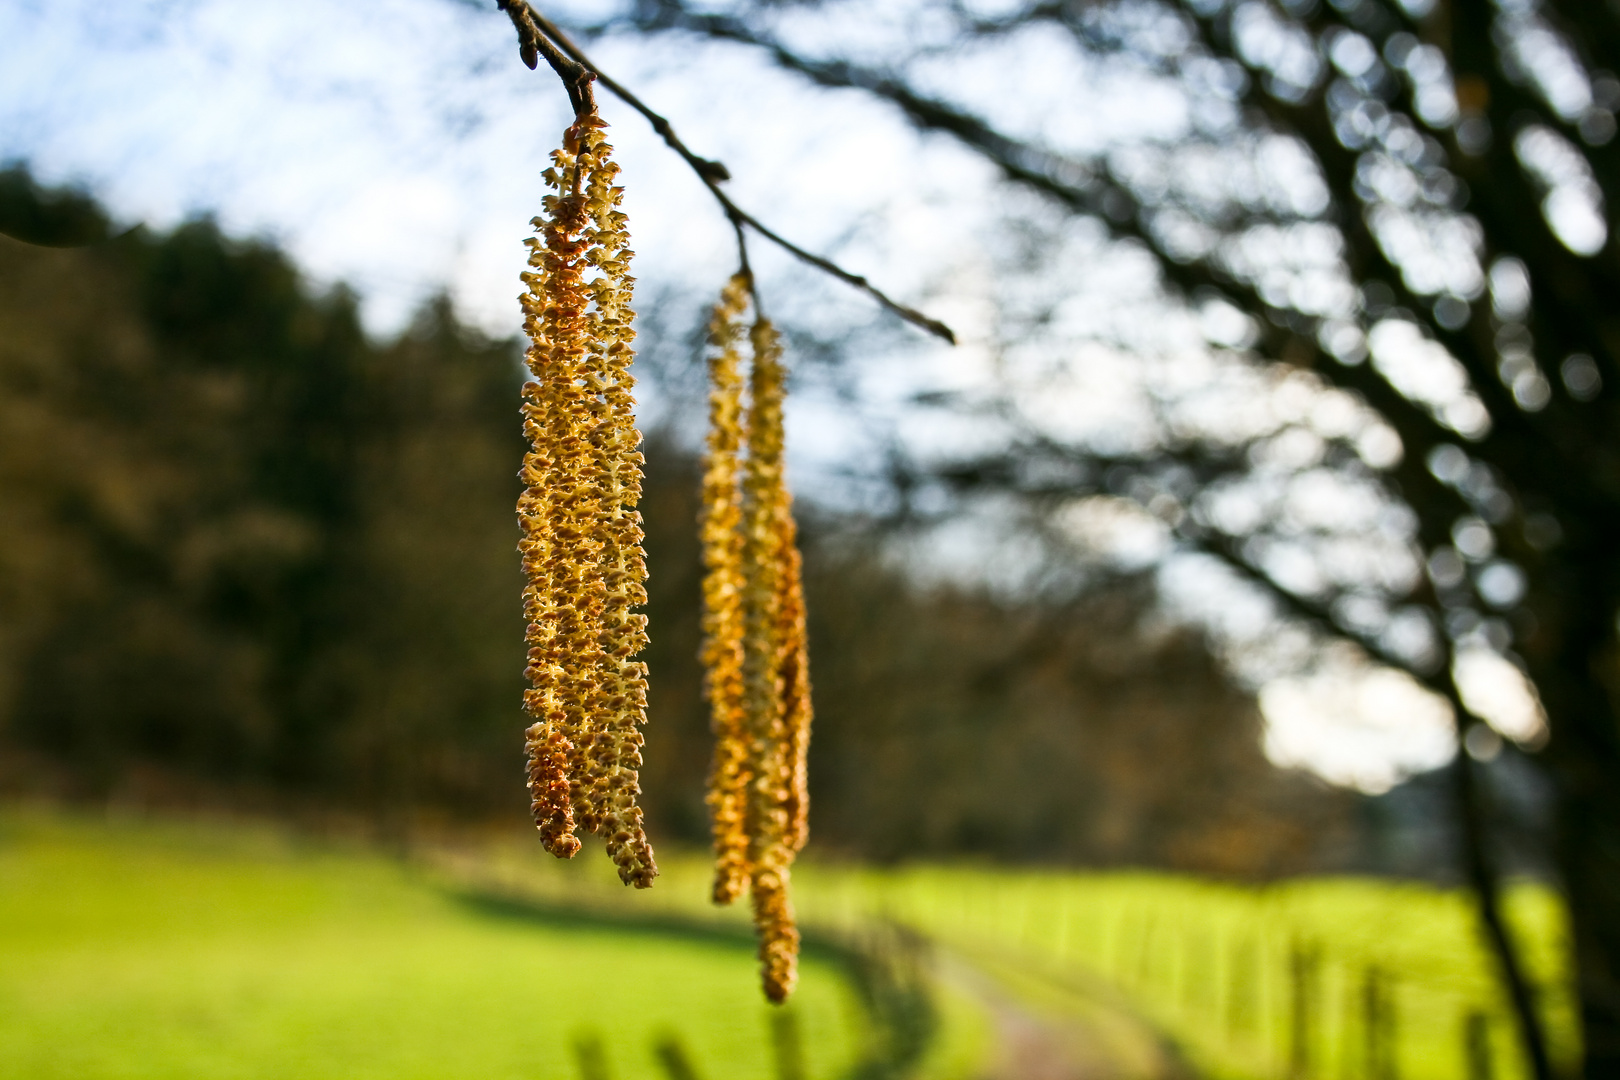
[{"x": 1320, "y": 978}]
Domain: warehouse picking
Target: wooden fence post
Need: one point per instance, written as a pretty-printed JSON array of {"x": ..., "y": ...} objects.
[
  {"x": 788, "y": 1044},
  {"x": 1241, "y": 991},
  {"x": 1476, "y": 1034},
  {"x": 1379, "y": 1025},
  {"x": 673, "y": 1057},
  {"x": 1195, "y": 969},
  {"x": 1144, "y": 955},
  {"x": 591, "y": 1055},
  {"x": 1302, "y": 970}
]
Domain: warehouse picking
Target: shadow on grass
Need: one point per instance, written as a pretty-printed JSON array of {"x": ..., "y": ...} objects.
[
  {"x": 563, "y": 915},
  {"x": 887, "y": 966}
]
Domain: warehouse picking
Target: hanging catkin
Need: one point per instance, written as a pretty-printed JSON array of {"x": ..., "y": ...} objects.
[
  {"x": 755, "y": 649},
  {"x": 767, "y": 547},
  {"x": 723, "y": 584},
  {"x": 790, "y": 643},
  {"x": 581, "y": 534}
]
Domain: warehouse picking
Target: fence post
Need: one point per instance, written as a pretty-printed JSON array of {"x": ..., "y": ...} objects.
[
  {"x": 671, "y": 1054},
  {"x": 1302, "y": 970},
  {"x": 1379, "y": 1027},
  {"x": 1476, "y": 1034},
  {"x": 1372, "y": 1030},
  {"x": 591, "y": 1054},
  {"x": 1242, "y": 971},
  {"x": 1144, "y": 956},
  {"x": 1194, "y": 969},
  {"x": 787, "y": 1044}
]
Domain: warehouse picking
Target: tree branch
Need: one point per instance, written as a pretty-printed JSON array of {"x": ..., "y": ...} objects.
[
  {"x": 536, "y": 32},
  {"x": 532, "y": 45},
  {"x": 1071, "y": 184}
]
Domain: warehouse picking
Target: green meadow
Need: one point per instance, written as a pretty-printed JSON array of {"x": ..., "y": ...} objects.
[
  {"x": 134, "y": 949},
  {"x": 1318, "y": 977},
  {"x": 141, "y": 951}
]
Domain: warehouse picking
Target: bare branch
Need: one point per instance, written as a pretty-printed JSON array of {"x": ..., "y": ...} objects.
[
  {"x": 532, "y": 45},
  {"x": 537, "y": 33}
]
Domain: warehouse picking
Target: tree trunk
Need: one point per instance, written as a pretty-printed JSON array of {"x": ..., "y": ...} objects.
[{"x": 1569, "y": 658}]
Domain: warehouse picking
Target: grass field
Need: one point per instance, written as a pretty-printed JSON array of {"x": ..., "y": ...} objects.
[
  {"x": 1324, "y": 978},
  {"x": 142, "y": 951},
  {"x": 150, "y": 950},
  {"x": 1316, "y": 978}
]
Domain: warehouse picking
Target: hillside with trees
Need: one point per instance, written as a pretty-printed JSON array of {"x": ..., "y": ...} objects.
[{"x": 251, "y": 555}]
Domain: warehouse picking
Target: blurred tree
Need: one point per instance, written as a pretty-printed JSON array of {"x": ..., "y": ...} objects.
[
  {"x": 247, "y": 545},
  {"x": 950, "y": 721},
  {"x": 1049, "y": 732},
  {"x": 240, "y": 538},
  {"x": 1422, "y": 184}
]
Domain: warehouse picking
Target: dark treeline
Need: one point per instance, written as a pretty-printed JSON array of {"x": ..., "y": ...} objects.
[
  {"x": 243, "y": 546},
  {"x": 241, "y": 540}
]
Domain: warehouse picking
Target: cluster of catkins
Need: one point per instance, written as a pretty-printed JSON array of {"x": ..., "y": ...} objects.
[
  {"x": 582, "y": 556},
  {"x": 755, "y": 650},
  {"x": 581, "y": 534}
]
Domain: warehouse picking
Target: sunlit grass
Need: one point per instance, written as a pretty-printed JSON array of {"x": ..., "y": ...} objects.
[
  {"x": 188, "y": 951},
  {"x": 1221, "y": 967},
  {"x": 139, "y": 950}
]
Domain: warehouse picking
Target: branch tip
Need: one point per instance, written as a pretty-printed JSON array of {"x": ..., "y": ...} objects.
[
  {"x": 539, "y": 36},
  {"x": 532, "y": 44}
]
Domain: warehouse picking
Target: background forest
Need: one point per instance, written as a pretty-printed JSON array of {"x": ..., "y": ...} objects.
[{"x": 249, "y": 552}]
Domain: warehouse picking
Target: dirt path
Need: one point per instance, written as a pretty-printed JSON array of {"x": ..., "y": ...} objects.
[{"x": 1057, "y": 1027}]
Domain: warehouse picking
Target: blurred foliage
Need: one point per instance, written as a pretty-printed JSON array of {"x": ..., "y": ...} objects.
[
  {"x": 1047, "y": 732},
  {"x": 248, "y": 546},
  {"x": 59, "y": 218},
  {"x": 950, "y": 721},
  {"x": 242, "y": 540}
]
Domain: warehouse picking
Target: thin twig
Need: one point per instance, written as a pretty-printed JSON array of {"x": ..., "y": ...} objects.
[
  {"x": 535, "y": 29},
  {"x": 532, "y": 45},
  {"x": 746, "y": 270}
]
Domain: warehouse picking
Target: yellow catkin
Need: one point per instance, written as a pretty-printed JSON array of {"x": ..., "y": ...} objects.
[
  {"x": 553, "y": 308},
  {"x": 771, "y": 790},
  {"x": 621, "y": 692},
  {"x": 581, "y": 535},
  {"x": 723, "y": 583},
  {"x": 791, "y": 644},
  {"x": 755, "y": 651}
]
